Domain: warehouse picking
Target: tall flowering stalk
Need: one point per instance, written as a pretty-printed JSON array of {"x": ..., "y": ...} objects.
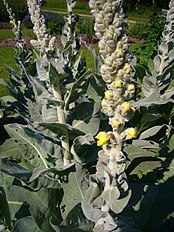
[
  {"x": 16, "y": 26},
  {"x": 110, "y": 178},
  {"x": 46, "y": 45}
]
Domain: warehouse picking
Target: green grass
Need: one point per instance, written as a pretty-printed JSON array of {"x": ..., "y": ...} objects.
[
  {"x": 60, "y": 5},
  {"x": 7, "y": 33},
  {"x": 83, "y": 8},
  {"x": 6, "y": 59}
]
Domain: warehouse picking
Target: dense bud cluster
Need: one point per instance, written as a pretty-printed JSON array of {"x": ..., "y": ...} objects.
[
  {"x": 44, "y": 42},
  {"x": 116, "y": 68},
  {"x": 115, "y": 71}
]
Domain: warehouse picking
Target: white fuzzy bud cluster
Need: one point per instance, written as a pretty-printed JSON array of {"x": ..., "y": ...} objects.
[
  {"x": 116, "y": 68},
  {"x": 44, "y": 43}
]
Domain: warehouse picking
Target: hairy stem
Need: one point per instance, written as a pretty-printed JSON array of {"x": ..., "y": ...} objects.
[{"x": 61, "y": 119}]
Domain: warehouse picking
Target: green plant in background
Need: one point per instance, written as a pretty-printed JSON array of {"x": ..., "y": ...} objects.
[
  {"x": 151, "y": 33},
  {"x": 19, "y": 8},
  {"x": 54, "y": 175}
]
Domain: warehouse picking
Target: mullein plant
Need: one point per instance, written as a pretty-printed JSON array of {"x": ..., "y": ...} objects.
[
  {"x": 109, "y": 184},
  {"x": 51, "y": 129},
  {"x": 51, "y": 165}
]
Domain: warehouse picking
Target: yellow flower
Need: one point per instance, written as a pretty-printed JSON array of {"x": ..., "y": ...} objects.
[
  {"x": 131, "y": 87},
  {"x": 118, "y": 83},
  {"x": 104, "y": 103},
  {"x": 108, "y": 95},
  {"x": 102, "y": 138},
  {"x": 115, "y": 123},
  {"x": 127, "y": 68},
  {"x": 11, "y": 22},
  {"x": 132, "y": 133},
  {"x": 119, "y": 52},
  {"x": 126, "y": 106}
]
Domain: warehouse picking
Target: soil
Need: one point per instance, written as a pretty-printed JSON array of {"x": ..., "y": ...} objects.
[{"x": 94, "y": 41}]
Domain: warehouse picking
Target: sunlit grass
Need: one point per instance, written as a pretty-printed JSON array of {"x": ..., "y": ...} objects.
[
  {"x": 7, "y": 33},
  {"x": 60, "y": 5},
  {"x": 7, "y": 59}
]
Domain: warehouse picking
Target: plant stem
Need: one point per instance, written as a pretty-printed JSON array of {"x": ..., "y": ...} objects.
[{"x": 61, "y": 119}]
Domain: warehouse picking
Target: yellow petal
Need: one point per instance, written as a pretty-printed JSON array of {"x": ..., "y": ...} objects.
[
  {"x": 126, "y": 106},
  {"x": 127, "y": 68},
  {"x": 118, "y": 83},
  {"x": 131, "y": 87},
  {"x": 102, "y": 138},
  {"x": 132, "y": 133},
  {"x": 115, "y": 123},
  {"x": 104, "y": 102},
  {"x": 108, "y": 95}
]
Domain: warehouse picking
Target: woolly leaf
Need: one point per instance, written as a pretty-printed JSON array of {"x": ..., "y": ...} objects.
[
  {"x": 75, "y": 90},
  {"x": 62, "y": 129},
  {"x": 86, "y": 117},
  {"x": 4, "y": 209},
  {"x": 151, "y": 132},
  {"x": 84, "y": 149},
  {"x": 33, "y": 154},
  {"x": 26, "y": 224},
  {"x": 92, "y": 202}
]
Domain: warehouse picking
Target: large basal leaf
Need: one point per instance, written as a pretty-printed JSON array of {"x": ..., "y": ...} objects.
[
  {"x": 26, "y": 224},
  {"x": 4, "y": 209},
  {"x": 152, "y": 206},
  {"x": 87, "y": 117},
  {"x": 75, "y": 222},
  {"x": 34, "y": 181},
  {"x": 73, "y": 190},
  {"x": 61, "y": 129},
  {"x": 84, "y": 149},
  {"x": 134, "y": 152},
  {"x": 92, "y": 202},
  {"x": 42, "y": 204},
  {"x": 151, "y": 132},
  {"x": 34, "y": 154}
]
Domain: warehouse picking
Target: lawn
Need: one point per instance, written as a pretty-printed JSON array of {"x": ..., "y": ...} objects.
[
  {"x": 83, "y": 8},
  {"x": 80, "y": 8},
  {"x": 7, "y": 59},
  {"x": 6, "y": 33}
]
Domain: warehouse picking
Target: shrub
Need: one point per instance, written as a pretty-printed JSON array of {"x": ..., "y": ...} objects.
[{"x": 54, "y": 22}]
